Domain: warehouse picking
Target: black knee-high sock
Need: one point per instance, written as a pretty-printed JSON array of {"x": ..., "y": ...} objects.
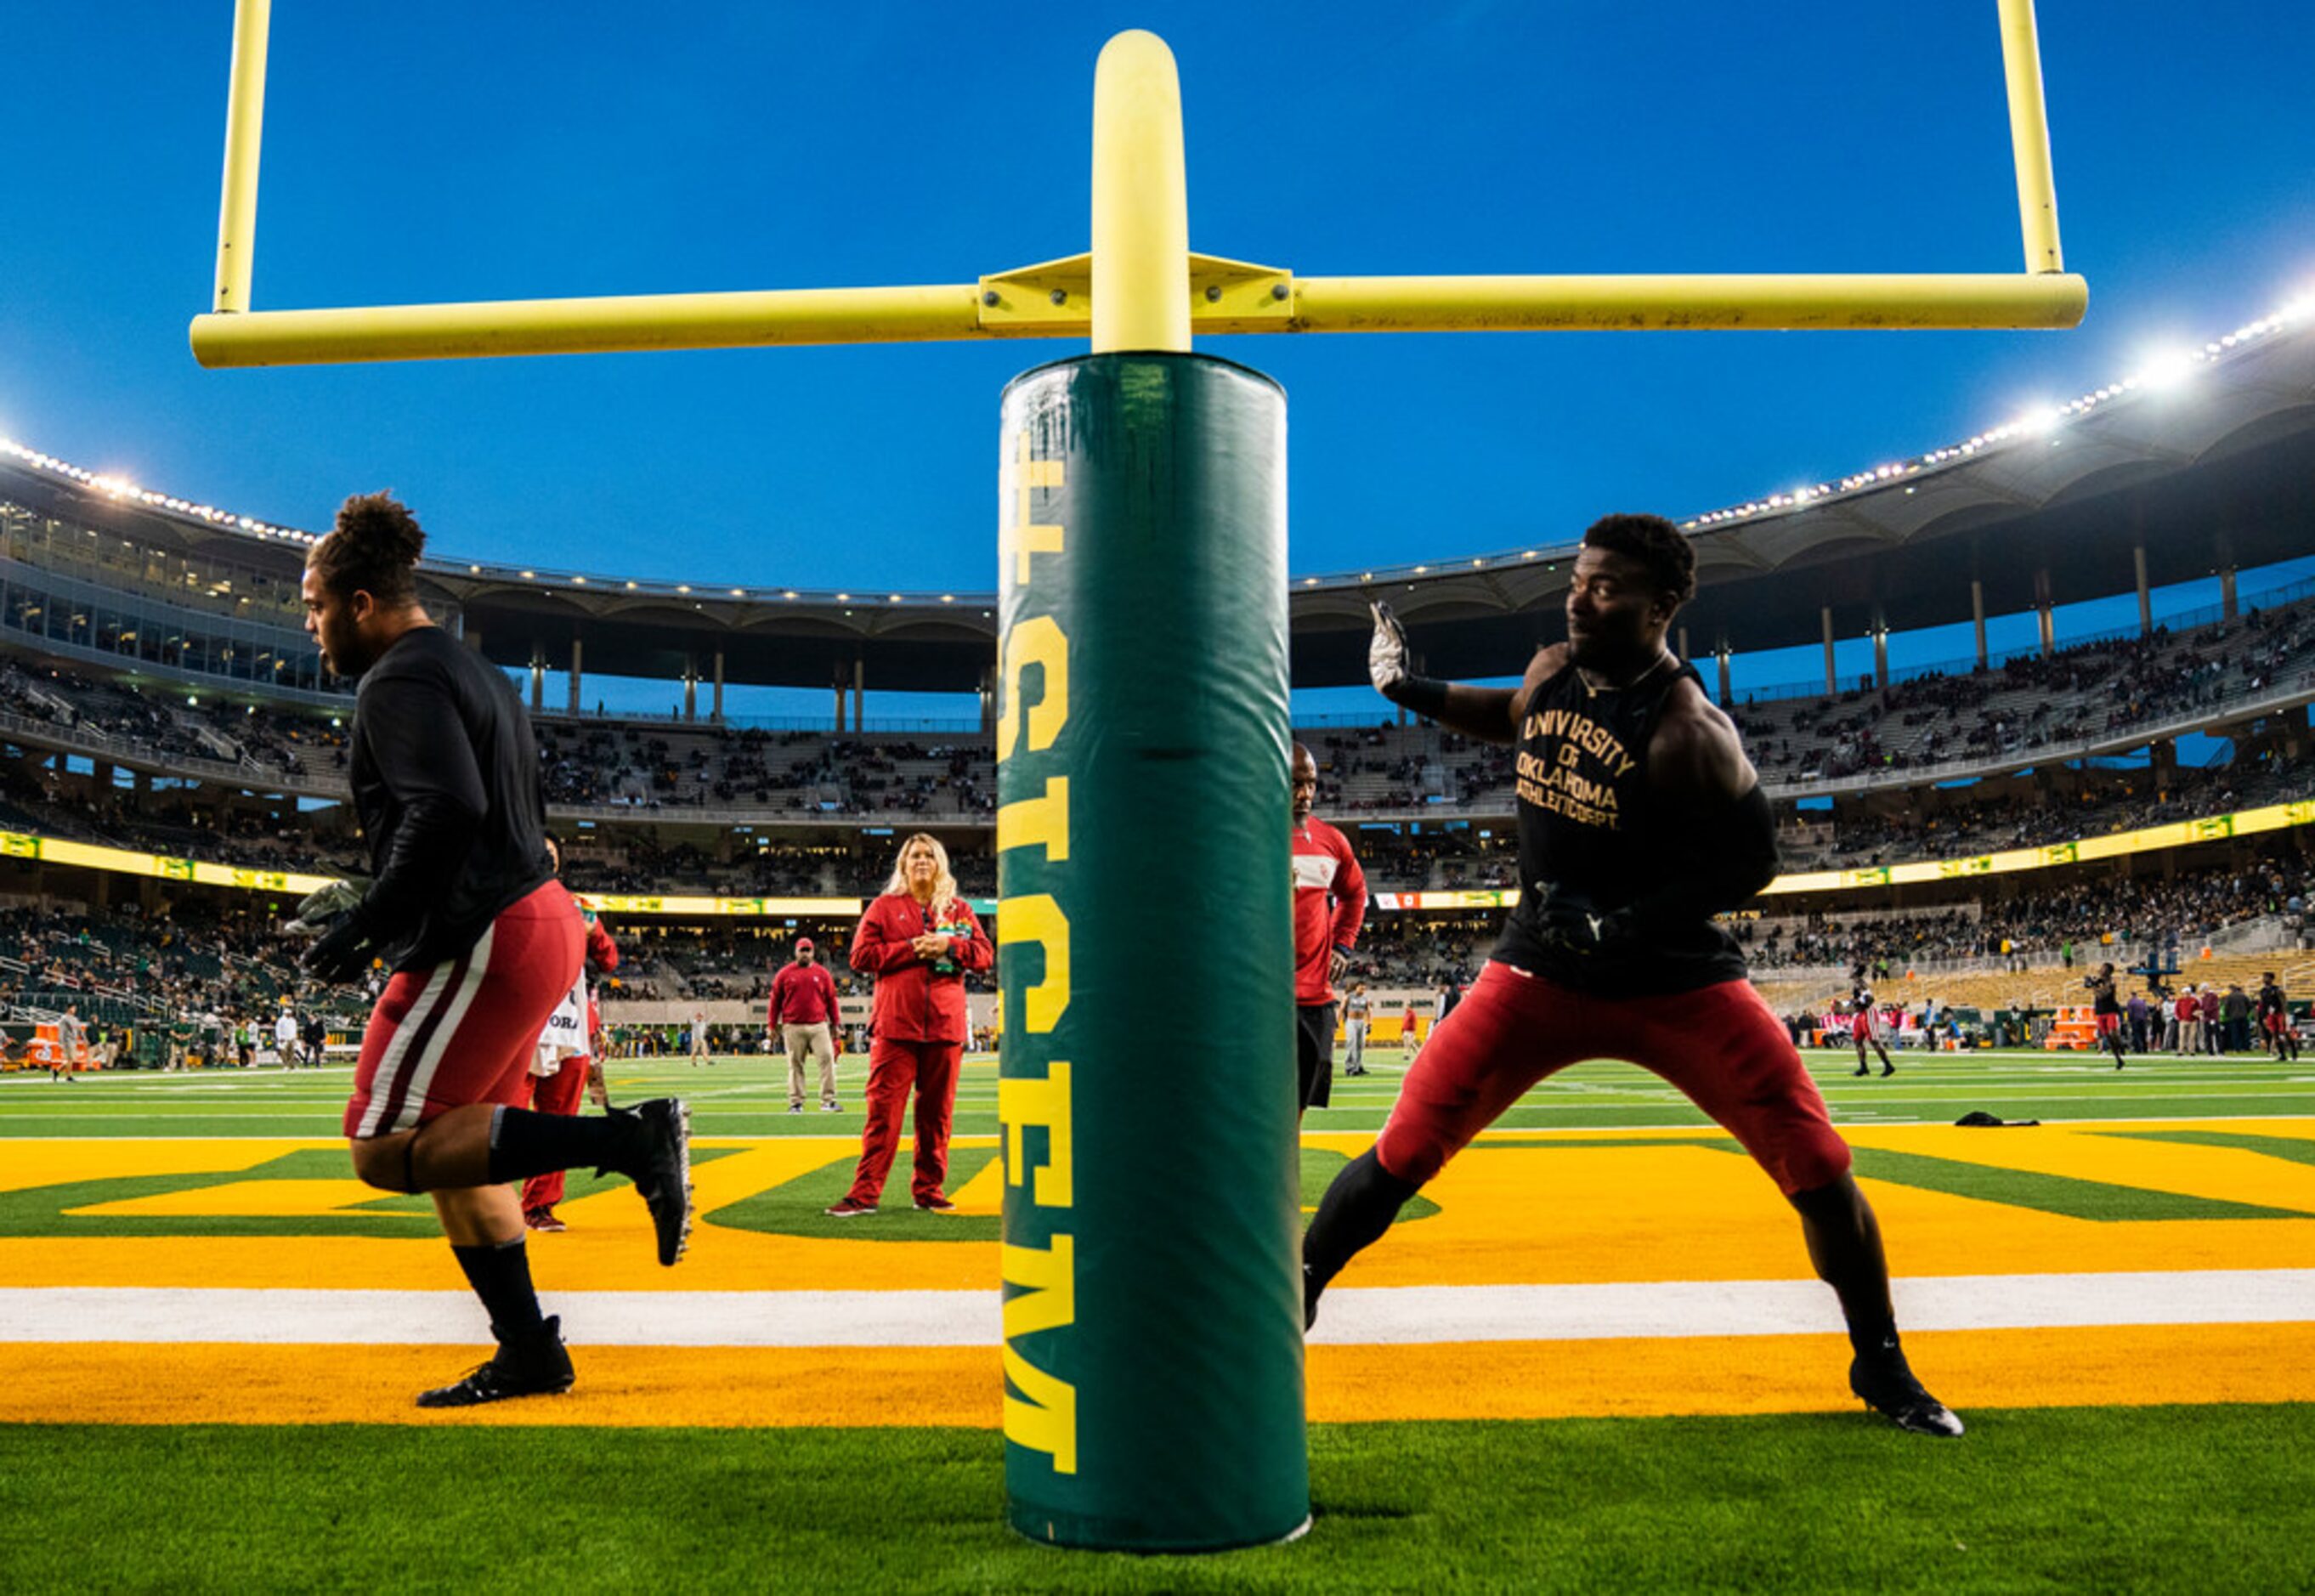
[
  {"x": 1844, "y": 1243},
  {"x": 524, "y": 1143},
  {"x": 500, "y": 1276},
  {"x": 1353, "y": 1216}
]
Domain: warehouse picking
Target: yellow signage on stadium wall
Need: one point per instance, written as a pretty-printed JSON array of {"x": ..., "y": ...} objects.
[
  {"x": 2248, "y": 822},
  {"x": 57, "y": 850},
  {"x": 1483, "y": 898},
  {"x": 631, "y": 904}
]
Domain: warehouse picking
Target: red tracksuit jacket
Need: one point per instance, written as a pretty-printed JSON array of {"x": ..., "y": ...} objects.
[
  {"x": 914, "y": 1003},
  {"x": 1330, "y": 904},
  {"x": 803, "y": 994}
]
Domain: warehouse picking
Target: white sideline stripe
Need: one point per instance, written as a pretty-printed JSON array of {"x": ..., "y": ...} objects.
[
  {"x": 1392, "y": 1316},
  {"x": 1406, "y": 1315}
]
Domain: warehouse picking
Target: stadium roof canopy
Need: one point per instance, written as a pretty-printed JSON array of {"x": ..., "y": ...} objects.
[{"x": 2205, "y": 466}]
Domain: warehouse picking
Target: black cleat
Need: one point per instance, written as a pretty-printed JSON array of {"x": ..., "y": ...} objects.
[
  {"x": 539, "y": 1367},
  {"x": 1311, "y": 1289},
  {"x": 1887, "y": 1387},
  {"x": 662, "y": 1171}
]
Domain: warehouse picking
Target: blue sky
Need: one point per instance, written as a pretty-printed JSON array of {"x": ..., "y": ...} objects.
[{"x": 436, "y": 152}]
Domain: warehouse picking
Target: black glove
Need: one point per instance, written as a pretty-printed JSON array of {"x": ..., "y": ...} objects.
[
  {"x": 1570, "y": 922},
  {"x": 324, "y": 909},
  {"x": 342, "y": 951}
]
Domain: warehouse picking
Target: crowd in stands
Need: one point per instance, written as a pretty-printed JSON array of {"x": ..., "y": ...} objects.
[
  {"x": 2028, "y": 702},
  {"x": 1400, "y": 767},
  {"x": 2044, "y": 925},
  {"x": 174, "y": 726},
  {"x": 660, "y": 767},
  {"x": 675, "y": 775},
  {"x": 2041, "y": 816},
  {"x": 218, "y": 959},
  {"x": 206, "y": 961}
]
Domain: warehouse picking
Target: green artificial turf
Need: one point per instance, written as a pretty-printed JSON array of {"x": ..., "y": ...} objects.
[
  {"x": 748, "y": 1097},
  {"x": 2215, "y": 1499}
]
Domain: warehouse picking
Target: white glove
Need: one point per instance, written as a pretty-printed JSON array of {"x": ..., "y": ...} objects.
[{"x": 1386, "y": 656}]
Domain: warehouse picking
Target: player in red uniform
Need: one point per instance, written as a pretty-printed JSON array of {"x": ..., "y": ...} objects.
[
  {"x": 560, "y": 1092},
  {"x": 1330, "y": 904},
  {"x": 2275, "y": 1018},
  {"x": 1639, "y": 819},
  {"x": 483, "y": 942},
  {"x": 918, "y": 939},
  {"x": 1865, "y": 1028},
  {"x": 2105, "y": 1010}
]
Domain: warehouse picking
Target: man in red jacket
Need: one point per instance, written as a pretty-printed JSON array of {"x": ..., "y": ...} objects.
[
  {"x": 918, "y": 939},
  {"x": 1330, "y": 904},
  {"x": 803, "y": 1014}
]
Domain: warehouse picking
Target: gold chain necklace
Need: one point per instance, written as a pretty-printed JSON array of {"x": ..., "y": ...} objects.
[{"x": 1590, "y": 691}]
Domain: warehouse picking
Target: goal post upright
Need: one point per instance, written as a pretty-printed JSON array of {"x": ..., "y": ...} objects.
[{"x": 245, "y": 134}]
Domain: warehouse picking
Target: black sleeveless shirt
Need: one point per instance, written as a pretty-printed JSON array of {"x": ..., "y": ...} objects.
[{"x": 1588, "y": 825}]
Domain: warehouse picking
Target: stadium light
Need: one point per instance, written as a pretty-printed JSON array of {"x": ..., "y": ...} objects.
[{"x": 2166, "y": 369}]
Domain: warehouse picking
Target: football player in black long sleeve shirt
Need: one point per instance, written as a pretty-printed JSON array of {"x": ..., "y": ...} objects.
[{"x": 482, "y": 940}]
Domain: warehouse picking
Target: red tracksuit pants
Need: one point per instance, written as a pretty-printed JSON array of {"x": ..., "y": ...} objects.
[
  {"x": 1720, "y": 1045},
  {"x": 894, "y": 1069},
  {"x": 556, "y": 1094}
]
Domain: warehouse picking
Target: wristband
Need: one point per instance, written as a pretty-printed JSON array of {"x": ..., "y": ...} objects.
[{"x": 1420, "y": 694}]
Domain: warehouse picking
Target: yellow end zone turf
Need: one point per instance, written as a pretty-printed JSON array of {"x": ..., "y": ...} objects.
[
  {"x": 1581, "y": 1208},
  {"x": 1565, "y": 1207},
  {"x": 112, "y": 1383}
]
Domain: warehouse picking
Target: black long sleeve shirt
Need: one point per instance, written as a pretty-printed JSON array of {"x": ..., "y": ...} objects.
[{"x": 446, "y": 785}]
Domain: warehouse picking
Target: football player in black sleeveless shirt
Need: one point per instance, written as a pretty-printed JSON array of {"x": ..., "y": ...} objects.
[{"x": 1639, "y": 820}]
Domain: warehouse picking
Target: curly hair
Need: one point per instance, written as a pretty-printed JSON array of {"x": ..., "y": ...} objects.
[
  {"x": 373, "y": 549},
  {"x": 1656, "y": 543}
]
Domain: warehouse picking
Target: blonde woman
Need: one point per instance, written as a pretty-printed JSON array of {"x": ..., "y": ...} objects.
[{"x": 918, "y": 939}]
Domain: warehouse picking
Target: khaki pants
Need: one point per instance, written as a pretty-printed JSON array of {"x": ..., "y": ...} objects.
[{"x": 811, "y": 1038}]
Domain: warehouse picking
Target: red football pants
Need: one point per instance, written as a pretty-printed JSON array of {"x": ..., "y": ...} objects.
[
  {"x": 893, "y": 1068},
  {"x": 465, "y": 1031},
  {"x": 556, "y": 1094},
  {"x": 1720, "y": 1045}
]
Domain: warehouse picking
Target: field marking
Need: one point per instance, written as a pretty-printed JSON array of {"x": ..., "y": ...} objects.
[
  {"x": 1412, "y": 1315},
  {"x": 1374, "y": 1317}
]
